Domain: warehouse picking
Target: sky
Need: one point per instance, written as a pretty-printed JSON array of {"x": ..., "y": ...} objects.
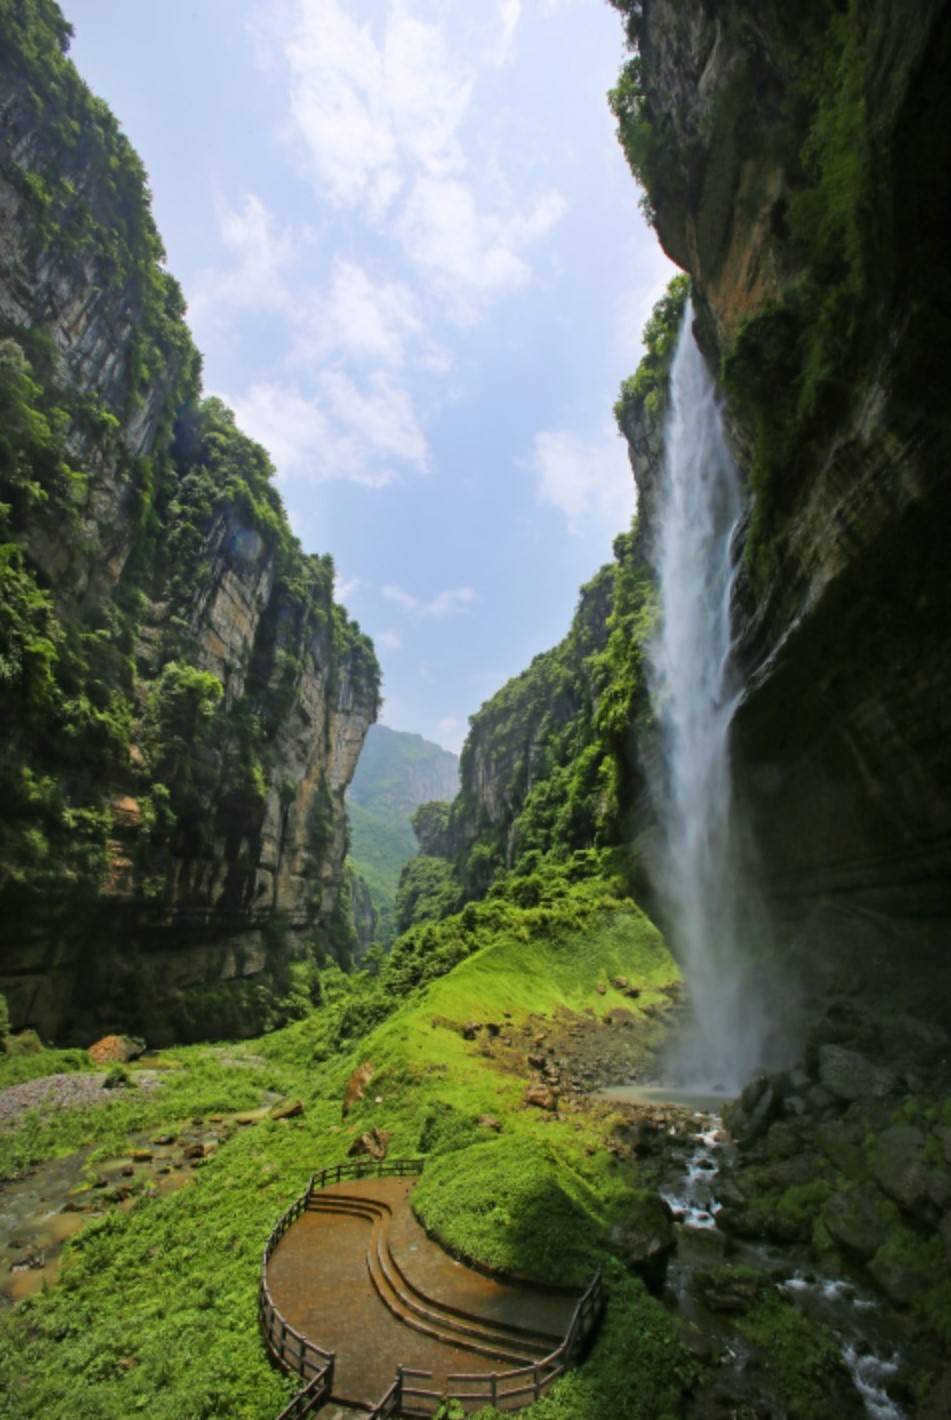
[{"x": 417, "y": 270}]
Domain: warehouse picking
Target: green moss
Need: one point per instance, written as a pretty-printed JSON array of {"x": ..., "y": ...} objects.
[
  {"x": 801, "y": 1358},
  {"x": 645, "y": 392},
  {"x": 514, "y": 1204}
]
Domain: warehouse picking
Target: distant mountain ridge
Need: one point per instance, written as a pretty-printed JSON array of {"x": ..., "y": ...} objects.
[{"x": 396, "y": 772}]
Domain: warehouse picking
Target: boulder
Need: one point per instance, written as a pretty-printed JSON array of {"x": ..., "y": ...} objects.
[
  {"x": 850, "y": 1076},
  {"x": 489, "y": 1121},
  {"x": 374, "y": 1143},
  {"x": 116, "y": 1049},
  {"x": 854, "y": 1220},
  {"x": 25, "y": 1042},
  {"x": 899, "y": 1168},
  {"x": 749, "y": 1117},
  {"x": 356, "y": 1086},
  {"x": 727, "y": 1288},
  {"x": 899, "y": 1274},
  {"x": 287, "y": 1109},
  {"x": 645, "y": 1239},
  {"x": 842, "y": 1145},
  {"x": 470, "y": 1030},
  {"x": 541, "y": 1096}
]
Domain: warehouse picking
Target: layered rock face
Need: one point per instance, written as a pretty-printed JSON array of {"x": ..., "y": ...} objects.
[
  {"x": 796, "y": 163},
  {"x": 183, "y": 704}
]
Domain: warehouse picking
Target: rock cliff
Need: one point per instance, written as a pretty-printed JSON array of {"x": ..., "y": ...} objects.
[
  {"x": 795, "y": 164},
  {"x": 182, "y": 702}
]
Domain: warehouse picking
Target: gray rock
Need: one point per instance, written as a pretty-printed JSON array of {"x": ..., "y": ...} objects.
[
  {"x": 900, "y": 1277},
  {"x": 841, "y": 1144},
  {"x": 751, "y": 1115},
  {"x": 898, "y": 1166},
  {"x": 727, "y": 1289},
  {"x": 850, "y": 1076},
  {"x": 645, "y": 1239},
  {"x": 818, "y": 1100},
  {"x": 854, "y": 1220}
]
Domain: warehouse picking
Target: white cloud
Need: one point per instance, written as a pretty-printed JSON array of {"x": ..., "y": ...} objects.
[
  {"x": 464, "y": 252},
  {"x": 379, "y": 416},
  {"x": 366, "y": 108},
  {"x": 509, "y": 14},
  {"x": 362, "y": 320},
  {"x": 260, "y": 255},
  {"x": 345, "y": 587},
  {"x": 589, "y": 483},
  {"x": 389, "y": 640},
  {"x": 453, "y": 601},
  {"x": 340, "y": 431},
  {"x": 379, "y": 114}
]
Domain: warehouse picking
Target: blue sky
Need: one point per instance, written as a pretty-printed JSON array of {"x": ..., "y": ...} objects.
[{"x": 416, "y": 268}]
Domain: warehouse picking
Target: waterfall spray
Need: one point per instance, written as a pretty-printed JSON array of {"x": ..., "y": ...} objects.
[{"x": 695, "y": 691}]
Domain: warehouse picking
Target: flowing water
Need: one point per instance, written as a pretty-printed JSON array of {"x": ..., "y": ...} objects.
[
  {"x": 852, "y": 1315},
  {"x": 695, "y": 692}
]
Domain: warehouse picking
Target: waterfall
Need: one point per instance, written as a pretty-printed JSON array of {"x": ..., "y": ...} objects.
[{"x": 695, "y": 692}]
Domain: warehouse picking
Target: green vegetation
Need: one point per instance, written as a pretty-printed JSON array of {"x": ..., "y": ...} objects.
[
  {"x": 557, "y": 741},
  {"x": 125, "y": 500},
  {"x": 155, "y": 1308},
  {"x": 395, "y": 775},
  {"x": 428, "y": 889},
  {"x": 803, "y": 1361},
  {"x": 643, "y": 396}
]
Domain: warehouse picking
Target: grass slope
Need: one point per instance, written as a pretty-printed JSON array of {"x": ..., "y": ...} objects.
[{"x": 155, "y": 1310}]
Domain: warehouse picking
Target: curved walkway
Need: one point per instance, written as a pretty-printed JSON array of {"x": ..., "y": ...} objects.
[{"x": 357, "y": 1274}]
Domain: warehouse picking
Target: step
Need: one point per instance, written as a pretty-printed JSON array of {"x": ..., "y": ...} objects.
[
  {"x": 455, "y": 1321},
  {"x": 450, "y": 1325},
  {"x": 439, "y": 1330},
  {"x": 543, "y": 1341}
]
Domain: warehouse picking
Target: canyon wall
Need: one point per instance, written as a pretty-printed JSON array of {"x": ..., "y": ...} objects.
[
  {"x": 182, "y": 701},
  {"x": 795, "y": 165}
]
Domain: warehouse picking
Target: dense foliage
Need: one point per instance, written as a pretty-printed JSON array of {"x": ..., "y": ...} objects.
[
  {"x": 124, "y": 501},
  {"x": 155, "y": 1308},
  {"x": 643, "y": 395},
  {"x": 395, "y": 775}
]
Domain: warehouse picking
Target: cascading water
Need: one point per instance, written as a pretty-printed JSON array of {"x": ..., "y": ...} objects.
[{"x": 695, "y": 692}]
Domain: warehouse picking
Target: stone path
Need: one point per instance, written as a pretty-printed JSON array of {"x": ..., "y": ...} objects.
[{"x": 358, "y": 1275}]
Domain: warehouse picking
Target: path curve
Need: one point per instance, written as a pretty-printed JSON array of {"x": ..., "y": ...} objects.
[{"x": 357, "y": 1275}]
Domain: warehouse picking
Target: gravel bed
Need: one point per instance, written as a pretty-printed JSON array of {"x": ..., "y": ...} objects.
[{"x": 60, "y": 1092}]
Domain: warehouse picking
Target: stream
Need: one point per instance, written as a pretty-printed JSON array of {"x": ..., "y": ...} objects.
[
  {"x": 49, "y": 1204},
  {"x": 690, "y": 1190}
]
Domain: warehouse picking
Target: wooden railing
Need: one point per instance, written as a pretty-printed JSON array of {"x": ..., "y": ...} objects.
[
  {"x": 286, "y": 1345},
  {"x": 296, "y": 1353},
  {"x": 473, "y": 1390}
]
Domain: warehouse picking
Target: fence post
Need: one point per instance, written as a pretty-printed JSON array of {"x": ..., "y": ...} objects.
[
  {"x": 536, "y": 1383},
  {"x": 494, "y": 1386}
]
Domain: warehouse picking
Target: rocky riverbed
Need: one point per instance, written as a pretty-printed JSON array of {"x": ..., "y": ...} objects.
[{"x": 814, "y": 1221}]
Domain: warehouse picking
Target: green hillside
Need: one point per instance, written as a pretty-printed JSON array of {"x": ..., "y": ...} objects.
[{"x": 395, "y": 774}]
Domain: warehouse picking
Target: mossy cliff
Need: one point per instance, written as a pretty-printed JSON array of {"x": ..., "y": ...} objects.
[
  {"x": 552, "y": 763},
  {"x": 795, "y": 163},
  {"x": 182, "y": 701}
]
